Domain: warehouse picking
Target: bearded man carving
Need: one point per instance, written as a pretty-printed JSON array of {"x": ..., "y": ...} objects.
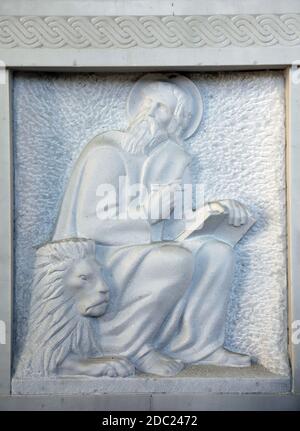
[{"x": 168, "y": 298}]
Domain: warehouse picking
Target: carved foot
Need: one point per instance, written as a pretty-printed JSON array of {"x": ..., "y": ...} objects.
[
  {"x": 161, "y": 365},
  {"x": 225, "y": 358}
]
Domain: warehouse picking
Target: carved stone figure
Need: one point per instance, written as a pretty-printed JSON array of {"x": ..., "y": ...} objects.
[
  {"x": 168, "y": 296},
  {"x": 69, "y": 295}
]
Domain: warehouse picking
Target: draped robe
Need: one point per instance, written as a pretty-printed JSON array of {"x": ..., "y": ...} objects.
[{"x": 175, "y": 302}]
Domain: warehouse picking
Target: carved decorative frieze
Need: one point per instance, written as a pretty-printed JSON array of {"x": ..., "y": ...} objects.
[{"x": 216, "y": 31}]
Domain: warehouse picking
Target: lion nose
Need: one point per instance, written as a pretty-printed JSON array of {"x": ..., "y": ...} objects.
[{"x": 102, "y": 288}]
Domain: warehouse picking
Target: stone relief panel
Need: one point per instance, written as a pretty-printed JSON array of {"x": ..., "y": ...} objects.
[{"x": 218, "y": 294}]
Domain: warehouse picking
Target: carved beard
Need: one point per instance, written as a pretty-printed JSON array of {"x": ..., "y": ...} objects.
[{"x": 143, "y": 135}]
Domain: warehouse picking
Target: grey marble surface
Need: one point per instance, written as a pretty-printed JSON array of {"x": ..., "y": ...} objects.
[{"x": 195, "y": 379}]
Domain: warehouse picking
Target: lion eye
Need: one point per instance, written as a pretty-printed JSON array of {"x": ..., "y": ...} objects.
[{"x": 83, "y": 277}]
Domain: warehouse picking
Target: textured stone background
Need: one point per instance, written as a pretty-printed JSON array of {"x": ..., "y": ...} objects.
[{"x": 238, "y": 153}]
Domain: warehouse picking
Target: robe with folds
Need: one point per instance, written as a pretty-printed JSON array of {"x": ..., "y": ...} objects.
[{"x": 188, "y": 327}]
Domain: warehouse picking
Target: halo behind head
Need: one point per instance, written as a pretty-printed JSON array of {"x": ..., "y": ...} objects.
[{"x": 193, "y": 105}]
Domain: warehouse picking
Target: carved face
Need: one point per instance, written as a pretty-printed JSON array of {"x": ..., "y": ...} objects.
[
  {"x": 85, "y": 282},
  {"x": 160, "y": 105}
]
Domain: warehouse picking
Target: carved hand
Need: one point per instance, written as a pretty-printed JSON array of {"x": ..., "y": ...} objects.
[{"x": 237, "y": 212}]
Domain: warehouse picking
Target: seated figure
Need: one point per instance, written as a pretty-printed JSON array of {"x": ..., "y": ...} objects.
[{"x": 168, "y": 298}]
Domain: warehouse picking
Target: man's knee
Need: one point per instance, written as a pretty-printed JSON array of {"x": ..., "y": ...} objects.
[
  {"x": 173, "y": 261},
  {"x": 180, "y": 260}
]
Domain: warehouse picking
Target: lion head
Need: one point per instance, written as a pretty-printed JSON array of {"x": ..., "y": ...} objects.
[{"x": 69, "y": 292}]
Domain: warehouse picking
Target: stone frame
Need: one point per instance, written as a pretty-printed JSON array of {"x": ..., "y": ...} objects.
[{"x": 150, "y": 35}]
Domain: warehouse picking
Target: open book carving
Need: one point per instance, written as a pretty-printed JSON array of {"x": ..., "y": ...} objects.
[{"x": 210, "y": 220}]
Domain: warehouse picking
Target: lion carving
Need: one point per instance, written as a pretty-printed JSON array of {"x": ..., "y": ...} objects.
[{"x": 69, "y": 295}]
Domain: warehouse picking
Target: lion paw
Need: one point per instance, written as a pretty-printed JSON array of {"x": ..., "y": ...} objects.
[{"x": 119, "y": 367}]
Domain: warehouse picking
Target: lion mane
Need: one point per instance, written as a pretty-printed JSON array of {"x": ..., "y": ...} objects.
[{"x": 56, "y": 328}]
